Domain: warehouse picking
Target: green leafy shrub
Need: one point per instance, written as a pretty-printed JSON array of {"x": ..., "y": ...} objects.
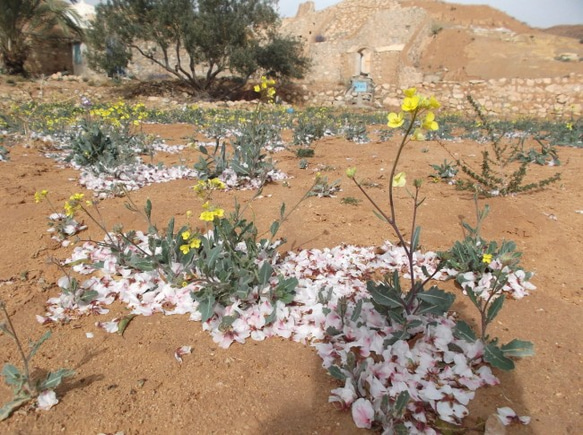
[
  {"x": 487, "y": 271},
  {"x": 498, "y": 175},
  {"x": 101, "y": 147}
]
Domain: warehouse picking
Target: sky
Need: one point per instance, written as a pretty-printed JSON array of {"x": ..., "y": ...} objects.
[{"x": 535, "y": 13}]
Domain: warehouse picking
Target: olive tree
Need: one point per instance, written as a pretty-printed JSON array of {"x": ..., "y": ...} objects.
[{"x": 196, "y": 41}]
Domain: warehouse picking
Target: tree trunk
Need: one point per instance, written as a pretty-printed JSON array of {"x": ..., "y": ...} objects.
[{"x": 14, "y": 61}]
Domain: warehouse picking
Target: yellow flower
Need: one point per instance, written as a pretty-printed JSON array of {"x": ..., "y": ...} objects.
[
  {"x": 194, "y": 243},
  {"x": 429, "y": 103},
  {"x": 186, "y": 235},
  {"x": 429, "y": 122},
  {"x": 207, "y": 216},
  {"x": 410, "y": 92},
  {"x": 433, "y": 103},
  {"x": 185, "y": 249},
  {"x": 395, "y": 121},
  {"x": 69, "y": 210},
  {"x": 257, "y": 88},
  {"x": 351, "y": 172},
  {"x": 73, "y": 204},
  {"x": 217, "y": 184},
  {"x": 188, "y": 214},
  {"x": 76, "y": 197},
  {"x": 39, "y": 196},
  {"x": 211, "y": 212},
  {"x": 418, "y": 135},
  {"x": 399, "y": 180},
  {"x": 486, "y": 258},
  {"x": 410, "y": 103},
  {"x": 219, "y": 212},
  {"x": 569, "y": 126}
]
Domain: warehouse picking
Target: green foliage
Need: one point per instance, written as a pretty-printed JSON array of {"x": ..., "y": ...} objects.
[
  {"x": 446, "y": 171},
  {"x": 182, "y": 36},
  {"x": 24, "y": 387},
  {"x": 546, "y": 156},
  {"x": 484, "y": 269},
  {"x": 322, "y": 188},
  {"x": 305, "y": 152},
  {"x": 498, "y": 175},
  {"x": 350, "y": 200},
  {"x": 103, "y": 147},
  {"x": 248, "y": 159},
  {"x": 356, "y": 133},
  {"x": 394, "y": 302},
  {"x": 308, "y": 130},
  {"x": 22, "y": 22},
  {"x": 232, "y": 262}
]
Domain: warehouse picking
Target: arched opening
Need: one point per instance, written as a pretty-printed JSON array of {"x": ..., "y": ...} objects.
[{"x": 363, "y": 62}]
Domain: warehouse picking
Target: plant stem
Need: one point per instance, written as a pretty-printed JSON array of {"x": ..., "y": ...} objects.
[
  {"x": 20, "y": 349},
  {"x": 394, "y": 168}
]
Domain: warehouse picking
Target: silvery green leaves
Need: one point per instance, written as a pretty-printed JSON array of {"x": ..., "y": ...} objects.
[
  {"x": 249, "y": 158},
  {"x": 494, "y": 354},
  {"x": 24, "y": 387},
  {"x": 102, "y": 147},
  {"x": 233, "y": 263},
  {"x": 388, "y": 299}
]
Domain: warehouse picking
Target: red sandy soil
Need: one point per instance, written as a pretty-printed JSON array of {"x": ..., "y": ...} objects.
[{"x": 134, "y": 384}]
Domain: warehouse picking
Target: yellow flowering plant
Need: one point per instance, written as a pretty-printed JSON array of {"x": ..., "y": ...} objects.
[
  {"x": 249, "y": 160},
  {"x": 62, "y": 223},
  {"x": 106, "y": 137},
  {"x": 486, "y": 269},
  {"x": 417, "y": 116}
]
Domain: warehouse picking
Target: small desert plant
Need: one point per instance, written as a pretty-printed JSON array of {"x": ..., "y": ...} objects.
[
  {"x": 228, "y": 260},
  {"x": 305, "y": 152},
  {"x": 412, "y": 311},
  {"x": 488, "y": 273},
  {"x": 104, "y": 138},
  {"x": 25, "y": 387},
  {"x": 446, "y": 171},
  {"x": 62, "y": 224},
  {"x": 322, "y": 188},
  {"x": 249, "y": 158},
  {"x": 356, "y": 133},
  {"x": 497, "y": 175},
  {"x": 546, "y": 155},
  {"x": 350, "y": 200},
  {"x": 308, "y": 129}
]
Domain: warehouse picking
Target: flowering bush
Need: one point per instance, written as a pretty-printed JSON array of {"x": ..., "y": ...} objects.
[
  {"x": 249, "y": 159},
  {"x": 420, "y": 366},
  {"x": 104, "y": 139}
]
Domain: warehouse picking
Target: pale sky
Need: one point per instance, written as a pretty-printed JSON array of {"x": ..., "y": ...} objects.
[{"x": 536, "y": 13}]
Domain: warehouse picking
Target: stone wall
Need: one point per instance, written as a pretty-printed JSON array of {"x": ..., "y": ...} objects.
[
  {"x": 51, "y": 56},
  {"x": 503, "y": 98},
  {"x": 378, "y": 37}
]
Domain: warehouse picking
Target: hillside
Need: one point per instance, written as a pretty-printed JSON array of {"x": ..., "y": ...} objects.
[
  {"x": 430, "y": 40},
  {"x": 574, "y": 31}
]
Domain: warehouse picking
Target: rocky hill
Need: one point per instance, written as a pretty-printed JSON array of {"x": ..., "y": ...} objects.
[
  {"x": 572, "y": 31},
  {"x": 428, "y": 40}
]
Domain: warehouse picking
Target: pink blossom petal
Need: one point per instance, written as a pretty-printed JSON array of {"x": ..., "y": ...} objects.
[
  {"x": 46, "y": 400},
  {"x": 362, "y": 413},
  {"x": 181, "y": 351}
]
